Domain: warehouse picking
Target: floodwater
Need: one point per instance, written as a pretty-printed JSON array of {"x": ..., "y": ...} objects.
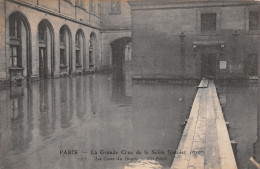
[
  {"x": 239, "y": 104},
  {"x": 92, "y": 122}
]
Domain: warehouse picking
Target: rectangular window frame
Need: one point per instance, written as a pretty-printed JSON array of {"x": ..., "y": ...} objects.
[
  {"x": 63, "y": 38},
  {"x": 15, "y": 28},
  {"x": 253, "y": 64},
  {"x": 42, "y": 35},
  {"x": 80, "y": 4},
  {"x": 63, "y": 60},
  {"x": 253, "y": 22},
  {"x": 78, "y": 59},
  {"x": 208, "y": 22},
  {"x": 247, "y": 24},
  {"x": 115, "y": 7},
  {"x": 16, "y": 60},
  {"x": 200, "y": 12},
  {"x": 77, "y": 42},
  {"x": 92, "y": 7}
]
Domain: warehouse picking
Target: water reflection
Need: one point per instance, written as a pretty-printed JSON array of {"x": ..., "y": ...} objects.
[
  {"x": 47, "y": 119},
  {"x": 254, "y": 161},
  {"x": 87, "y": 113},
  {"x": 239, "y": 103}
]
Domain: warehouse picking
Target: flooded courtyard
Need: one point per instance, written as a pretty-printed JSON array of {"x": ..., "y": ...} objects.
[
  {"x": 239, "y": 104},
  {"x": 94, "y": 122},
  {"x": 58, "y": 111}
]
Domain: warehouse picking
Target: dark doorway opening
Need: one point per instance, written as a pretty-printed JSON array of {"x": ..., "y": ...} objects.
[
  {"x": 253, "y": 65},
  {"x": 92, "y": 51},
  {"x": 19, "y": 46},
  {"x": 43, "y": 69},
  {"x": 208, "y": 65},
  {"x": 118, "y": 56},
  {"x": 46, "y": 49}
]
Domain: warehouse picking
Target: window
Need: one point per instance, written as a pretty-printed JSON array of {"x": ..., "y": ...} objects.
[
  {"x": 62, "y": 57},
  {"x": 15, "y": 56},
  {"x": 90, "y": 59},
  {"x": 253, "y": 20},
  {"x": 42, "y": 33},
  {"x": 15, "y": 27},
  {"x": 80, "y": 3},
  {"x": 208, "y": 22},
  {"x": 77, "y": 40},
  {"x": 15, "y": 46},
  {"x": 77, "y": 57},
  {"x": 90, "y": 55},
  {"x": 99, "y": 8},
  {"x": 253, "y": 65},
  {"x": 62, "y": 37},
  {"x": 115, "y": 6},
  {"x": 78, "y": 49},
  {"x": 92, "y": 7},
  {"x": 63, "y": 47}
]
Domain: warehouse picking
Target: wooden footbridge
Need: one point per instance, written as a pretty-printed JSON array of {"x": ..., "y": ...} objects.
[{"x": 205, "y": 143}]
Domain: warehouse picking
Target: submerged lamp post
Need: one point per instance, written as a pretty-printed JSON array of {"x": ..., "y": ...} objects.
[
  {"x": 194, "y": 50},
  {"x": 182, "y": 36}
]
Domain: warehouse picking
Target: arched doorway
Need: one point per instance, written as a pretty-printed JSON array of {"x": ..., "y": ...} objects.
[
  {"x": 19, "y": 52},
  {"x": 80, "y": 44},
  {"x": 65, "y": 50},
  {"x": 92, "y": 51},
  {"x": 46, "y": 49},
  {"x": 121, "y": 56}
]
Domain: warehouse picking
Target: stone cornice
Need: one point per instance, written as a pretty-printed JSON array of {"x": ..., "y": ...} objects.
[
  {"x": 173, "y": 4},
  {"x": 116, "y": 30},
  {"x": 54, "y": 13}
]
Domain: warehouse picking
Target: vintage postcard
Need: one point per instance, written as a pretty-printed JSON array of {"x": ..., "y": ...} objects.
[{"x": 129, "y": 84}]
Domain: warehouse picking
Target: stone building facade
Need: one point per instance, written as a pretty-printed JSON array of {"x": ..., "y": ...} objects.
[
  {"x": 49, "y": 39},
  {"x": 55, "y": 38},
  {"x": 170, "y": 38},
  {"x": 178, "y": 39},
  {"x": 116, "y": 35}
]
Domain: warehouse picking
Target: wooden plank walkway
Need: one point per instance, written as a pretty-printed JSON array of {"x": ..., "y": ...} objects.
[
  {"x": 205, "y": 142},
  {"x": 204, "y": 83}
]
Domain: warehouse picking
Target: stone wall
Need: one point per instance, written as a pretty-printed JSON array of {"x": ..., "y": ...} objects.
[
  {"x": 157, "y": 46},
  {"x": 57, "y": 15},
  {"x": 116, "y": 20},
  {"x": 114, "y": 26}
]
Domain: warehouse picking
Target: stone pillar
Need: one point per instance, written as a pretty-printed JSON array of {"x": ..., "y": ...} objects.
[
  {"x": 3, "y": 73},
  {"x": 57, "y": 55}
]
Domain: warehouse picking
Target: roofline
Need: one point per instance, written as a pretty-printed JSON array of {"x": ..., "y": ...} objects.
[{"x": 166, "y": 4}]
